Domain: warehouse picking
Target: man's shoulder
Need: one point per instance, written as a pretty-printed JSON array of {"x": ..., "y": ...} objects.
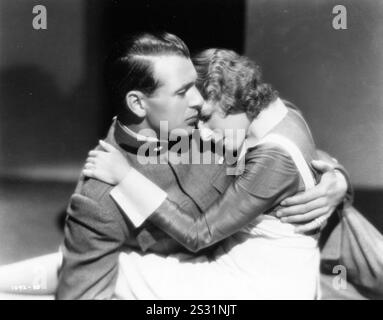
[
  {"x": 92, "y": 205},
  {"x": 93, "y": 189},
  {"x": 94, "y": 193}
]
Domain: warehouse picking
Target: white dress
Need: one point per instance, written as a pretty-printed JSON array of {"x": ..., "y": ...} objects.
[{"x": 265, "y": 260}]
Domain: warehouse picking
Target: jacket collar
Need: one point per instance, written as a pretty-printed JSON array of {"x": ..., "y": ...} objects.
[{"x": 130, "y": 140}]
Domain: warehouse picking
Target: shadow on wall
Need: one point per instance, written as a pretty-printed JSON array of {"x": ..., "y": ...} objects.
[{"x": 40, "y": 126}]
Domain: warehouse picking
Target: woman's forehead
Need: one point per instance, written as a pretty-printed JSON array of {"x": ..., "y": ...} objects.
[{"x": 211, "y": 106}]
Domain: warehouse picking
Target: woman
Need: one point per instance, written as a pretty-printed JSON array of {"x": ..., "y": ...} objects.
[{"x": 266, "y": 259}]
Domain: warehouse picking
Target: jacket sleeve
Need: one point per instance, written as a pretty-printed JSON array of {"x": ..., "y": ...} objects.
[
  {"x": 93, "y": 237},
  {"x": 269, "y": 177}
]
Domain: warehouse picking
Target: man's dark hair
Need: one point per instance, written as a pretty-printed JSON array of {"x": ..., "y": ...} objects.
[{"x": 129, "y": 66}]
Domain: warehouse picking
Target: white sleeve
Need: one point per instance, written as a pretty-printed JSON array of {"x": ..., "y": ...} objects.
[{"x": 137, "y": 196}]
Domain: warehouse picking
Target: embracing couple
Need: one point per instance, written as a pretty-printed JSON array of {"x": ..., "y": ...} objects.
[{"x": 176, "y": 230}]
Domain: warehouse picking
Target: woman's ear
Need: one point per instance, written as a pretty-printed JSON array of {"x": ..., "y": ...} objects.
[{"x": 135, "y": 102}]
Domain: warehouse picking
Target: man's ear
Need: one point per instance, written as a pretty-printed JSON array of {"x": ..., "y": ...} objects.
[{"x": 135, "y": 102}]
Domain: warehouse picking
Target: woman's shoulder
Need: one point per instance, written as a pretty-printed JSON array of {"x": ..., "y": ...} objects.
[
  {"x": 268, "y": 170},
  {"x": 268, "y": 154},
  {"x": 295, "y": 128}
]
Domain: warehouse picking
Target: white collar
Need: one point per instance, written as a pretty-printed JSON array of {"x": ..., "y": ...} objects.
[
  {"x": 263, "y": 124},
  {"x": 267, "y": 120}
]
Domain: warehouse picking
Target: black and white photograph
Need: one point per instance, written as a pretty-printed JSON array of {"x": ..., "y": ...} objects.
[{"x": 192, "y": 150}]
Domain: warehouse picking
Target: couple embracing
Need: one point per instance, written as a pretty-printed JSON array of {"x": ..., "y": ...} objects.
[{"x": 173, "y": 230}]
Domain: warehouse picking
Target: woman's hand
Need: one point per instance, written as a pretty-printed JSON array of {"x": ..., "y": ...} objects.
[
  {"x": 109, "y": 166},
  {"x": 311, "y": 209}
]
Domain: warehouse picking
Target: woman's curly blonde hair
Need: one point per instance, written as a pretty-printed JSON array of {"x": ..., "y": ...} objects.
[{"x": 233, "y": 81}]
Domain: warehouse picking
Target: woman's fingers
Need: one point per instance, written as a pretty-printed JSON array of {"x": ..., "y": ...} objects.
[
  {"x": 106, "y": 146},
  {"x": 89, "y": 169},
  {"x": 89, "y": 166},
  {"x": 97, "y": 153},
  {"x": 88, "y": 173},
  {"x": 93, "y": 153},
  {"x": 90, "y": 160}
]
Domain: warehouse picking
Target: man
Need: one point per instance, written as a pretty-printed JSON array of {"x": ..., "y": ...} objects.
[{"x": 152, "y": 79}]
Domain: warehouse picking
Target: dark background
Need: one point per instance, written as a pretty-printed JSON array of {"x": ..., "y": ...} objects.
[
  {"x": 53, "y": 107},
  {"x": 52, "y": 102},
  {"x": 53, "y": 85}
]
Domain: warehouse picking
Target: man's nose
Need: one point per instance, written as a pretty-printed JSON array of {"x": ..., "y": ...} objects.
[{"x": 196, "y": 100}]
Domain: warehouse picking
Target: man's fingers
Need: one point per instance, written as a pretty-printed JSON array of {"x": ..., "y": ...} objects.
[
  {"x": 303, "y": 218},
  {"x": 313, "y": 225},
  {"x": 106, "y": 146},
  {"x": 322, "y": 166},
  {"x": 306, "y": 207},
  {"x": 301, "y": 198},
  {"x": 327, "y": 216}
]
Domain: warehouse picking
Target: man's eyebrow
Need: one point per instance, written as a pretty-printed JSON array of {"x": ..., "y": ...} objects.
[{"x": 186, "y": 86}]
